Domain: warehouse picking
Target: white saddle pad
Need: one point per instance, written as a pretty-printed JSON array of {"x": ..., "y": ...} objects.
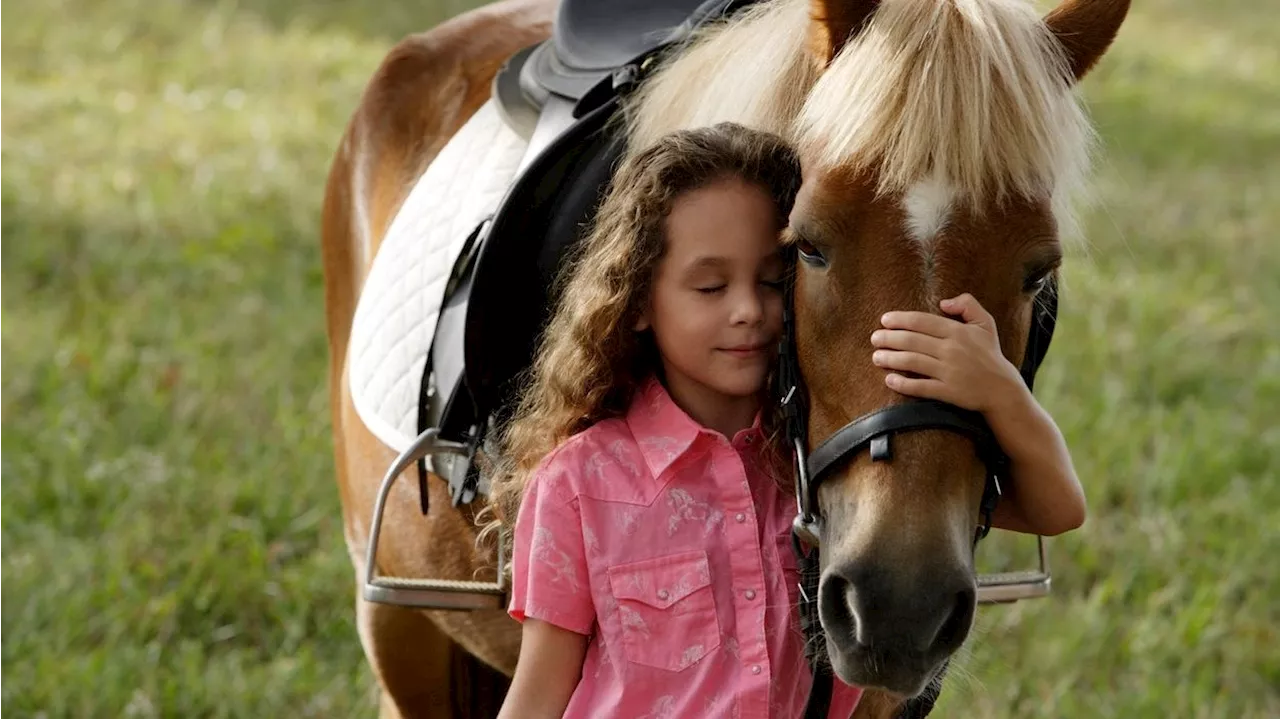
[{"x": 396, "y": 316}]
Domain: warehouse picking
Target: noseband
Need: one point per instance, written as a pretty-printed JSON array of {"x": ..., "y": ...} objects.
[{"x": 874, "y": 432}]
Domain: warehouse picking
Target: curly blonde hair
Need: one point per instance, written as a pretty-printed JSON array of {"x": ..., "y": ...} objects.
[{"x": 591, "y": 359}]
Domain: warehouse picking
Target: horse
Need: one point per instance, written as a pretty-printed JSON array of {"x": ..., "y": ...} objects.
[{"x": 943, "y": 145}]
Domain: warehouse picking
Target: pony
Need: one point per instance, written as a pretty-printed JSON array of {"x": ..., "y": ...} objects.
[{"x": 944, "y": 145}]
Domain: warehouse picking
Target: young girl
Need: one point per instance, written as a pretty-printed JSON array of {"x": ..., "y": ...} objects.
[{"x": 643, "y": 490}]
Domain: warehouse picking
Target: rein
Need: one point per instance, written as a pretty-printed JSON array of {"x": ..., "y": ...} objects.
[{"x": 874, "y": 432}]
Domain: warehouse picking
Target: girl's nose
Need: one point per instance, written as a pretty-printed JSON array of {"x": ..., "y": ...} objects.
[{"x": 748, "y": 308}]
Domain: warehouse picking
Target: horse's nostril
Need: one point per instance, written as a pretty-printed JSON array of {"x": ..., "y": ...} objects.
[
  {"x": 864, "y": 608},
  {"x": 835, "y": 605},
  {"x": 955, "y": 628}
]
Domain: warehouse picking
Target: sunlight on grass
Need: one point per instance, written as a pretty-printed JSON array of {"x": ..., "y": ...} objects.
[
  {"x": 173, "y": 539},
  {"x": 172, "y": 531}
]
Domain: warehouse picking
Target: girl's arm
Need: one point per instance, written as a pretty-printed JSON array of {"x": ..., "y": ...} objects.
[
  {"x": 1044, "y": 496},
  {"x": 547, "y": 672},
  {"x": 550, "y": 592},
  {"x": 961, "y": 363}
]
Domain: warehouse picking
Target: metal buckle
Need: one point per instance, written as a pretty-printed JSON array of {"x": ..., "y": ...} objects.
[
  {"x": 1009, "y": 587},
  {"x": 805, "y": 529},
  {"x": 427, "y": 593},
  {"x": 804, "y": 489}
]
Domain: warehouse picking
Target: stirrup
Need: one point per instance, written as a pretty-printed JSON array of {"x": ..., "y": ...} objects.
[
  {"x": 427, "y": 593},
  {"x": 1008, "y": 587}
]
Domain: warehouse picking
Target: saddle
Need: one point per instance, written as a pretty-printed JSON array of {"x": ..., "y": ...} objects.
[{"x": 563, "y": 95}]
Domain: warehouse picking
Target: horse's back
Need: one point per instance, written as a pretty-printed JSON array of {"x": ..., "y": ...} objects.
[{"x": 423, "y": 92}]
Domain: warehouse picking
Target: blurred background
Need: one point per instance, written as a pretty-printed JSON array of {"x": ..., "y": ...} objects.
[{"x": 172, "y": 540}]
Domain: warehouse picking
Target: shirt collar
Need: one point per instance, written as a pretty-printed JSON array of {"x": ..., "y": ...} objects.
[{"x": 664, "y": 432}]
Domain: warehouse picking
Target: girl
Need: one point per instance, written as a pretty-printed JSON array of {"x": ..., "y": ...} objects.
[{"x": 637, "y": 462}]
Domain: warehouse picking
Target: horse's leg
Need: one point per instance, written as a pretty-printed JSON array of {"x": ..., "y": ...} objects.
[
  {"x": 424, "y": 91},
  {"x": 435, "y": 664},
  {"x": 415, "y": 671},
  {"x": 420, "y": 670}
]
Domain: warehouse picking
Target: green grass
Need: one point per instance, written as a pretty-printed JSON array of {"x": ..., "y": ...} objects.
[{"x": 171, "y": 528}]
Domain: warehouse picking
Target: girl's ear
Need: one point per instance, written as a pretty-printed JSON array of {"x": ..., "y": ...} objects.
[{"x": 645, "y": 320}]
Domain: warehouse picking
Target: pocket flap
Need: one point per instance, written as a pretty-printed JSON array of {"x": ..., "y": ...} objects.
[{"x": 661, "y": 581}]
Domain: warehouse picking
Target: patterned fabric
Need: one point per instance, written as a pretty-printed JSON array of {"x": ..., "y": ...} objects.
[{"x": 670, "y": 547}]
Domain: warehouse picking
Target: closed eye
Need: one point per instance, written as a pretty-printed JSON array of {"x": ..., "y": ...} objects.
[
  {"x": 810, "y": 254},
  {"x": 711, "y": 290}
]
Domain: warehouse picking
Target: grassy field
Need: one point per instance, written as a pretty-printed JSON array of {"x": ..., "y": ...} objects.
[{"x": 172, "y": 543}]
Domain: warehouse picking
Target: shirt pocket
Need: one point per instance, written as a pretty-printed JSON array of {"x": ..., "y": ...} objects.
[{"x": 667, "y": 609}]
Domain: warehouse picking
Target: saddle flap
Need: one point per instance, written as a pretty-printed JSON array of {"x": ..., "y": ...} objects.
[{"x": 537, "y": 224}]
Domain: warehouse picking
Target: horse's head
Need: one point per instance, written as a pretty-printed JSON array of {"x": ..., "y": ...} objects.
[{"x": 940, "y": 142}]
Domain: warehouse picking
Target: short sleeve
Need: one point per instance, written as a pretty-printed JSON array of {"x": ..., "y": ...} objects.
[{"x": 549, "y": 575}]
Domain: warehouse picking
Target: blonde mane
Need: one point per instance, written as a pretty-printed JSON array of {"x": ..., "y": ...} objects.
[
  {"x": 752, "y": 70},
  {"x": 973, "y": 93}
]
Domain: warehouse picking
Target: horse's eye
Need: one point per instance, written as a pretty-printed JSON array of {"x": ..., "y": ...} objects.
[
  {"x": 809, "y": 254},
  {"x": 1037, "y": 281}
]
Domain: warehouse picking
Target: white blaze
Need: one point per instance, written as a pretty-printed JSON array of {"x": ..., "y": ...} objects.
[{"x": 928, "y": 205}]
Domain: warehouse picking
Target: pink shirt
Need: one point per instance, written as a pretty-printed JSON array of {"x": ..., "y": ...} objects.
[{"x": 670, "y": 546}]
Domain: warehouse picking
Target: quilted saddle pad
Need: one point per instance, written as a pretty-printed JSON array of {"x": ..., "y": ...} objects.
[{"x": 396, "y": 315}]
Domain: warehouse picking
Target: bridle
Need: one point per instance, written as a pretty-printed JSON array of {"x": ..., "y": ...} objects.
[{"x": 874, "y": 432}]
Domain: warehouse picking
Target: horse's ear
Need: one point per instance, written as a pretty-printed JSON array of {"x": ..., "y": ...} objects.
[
  {"x": 1086, "y": 28},
  {"x": 833, "y": 22}
]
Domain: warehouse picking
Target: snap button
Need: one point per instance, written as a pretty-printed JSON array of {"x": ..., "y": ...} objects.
[
  {"x": 663, "y": 594},
  {"x": 750, "y": 594},
  {"x": 740, "y": 517},
  {"x": 755, "y": 669}
]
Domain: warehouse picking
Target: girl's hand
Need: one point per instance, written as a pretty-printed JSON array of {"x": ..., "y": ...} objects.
[
  {"x": 958, "y": 362},
  {"x": 961, "y": 363}
]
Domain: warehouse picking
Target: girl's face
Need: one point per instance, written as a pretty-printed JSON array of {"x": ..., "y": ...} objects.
[{"x": 716, "y": 301}]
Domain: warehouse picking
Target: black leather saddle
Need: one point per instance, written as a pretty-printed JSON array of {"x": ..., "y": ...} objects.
[{"x": 562, "y": 95}]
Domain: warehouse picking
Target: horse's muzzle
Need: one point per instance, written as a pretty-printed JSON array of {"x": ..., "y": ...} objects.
[{"x": 889, "y": 633}]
